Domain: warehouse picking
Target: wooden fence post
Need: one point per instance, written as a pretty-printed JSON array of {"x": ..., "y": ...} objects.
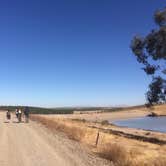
[{"x": 97, "y": 138}]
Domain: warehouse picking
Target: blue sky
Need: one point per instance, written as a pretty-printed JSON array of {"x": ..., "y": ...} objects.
[{"x": 72, "y": 53}]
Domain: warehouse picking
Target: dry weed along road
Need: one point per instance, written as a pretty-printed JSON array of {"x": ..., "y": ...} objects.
[{"x": 31, "y": 144}]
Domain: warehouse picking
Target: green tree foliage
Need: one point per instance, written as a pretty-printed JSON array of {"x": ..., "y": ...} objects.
[{"x": 150, "y": 51}]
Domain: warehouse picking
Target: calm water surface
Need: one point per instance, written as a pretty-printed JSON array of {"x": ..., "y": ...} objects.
[{"x": 147, "y": 123}]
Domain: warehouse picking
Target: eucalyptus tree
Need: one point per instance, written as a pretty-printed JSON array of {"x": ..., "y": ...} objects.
[{"x": 150, "y": 51}]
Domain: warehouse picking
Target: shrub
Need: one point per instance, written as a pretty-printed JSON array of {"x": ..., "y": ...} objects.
[
  {"x": 105, "y": 122},
  {"x": 116, "y": 154}
]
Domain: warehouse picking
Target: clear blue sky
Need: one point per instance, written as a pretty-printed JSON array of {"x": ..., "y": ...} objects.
[{"x": 72, "y": 52}]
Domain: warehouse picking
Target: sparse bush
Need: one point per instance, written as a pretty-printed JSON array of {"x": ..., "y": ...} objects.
[
  {"x": 115, "y": 153},
  {"x": 105, "y": 122}
]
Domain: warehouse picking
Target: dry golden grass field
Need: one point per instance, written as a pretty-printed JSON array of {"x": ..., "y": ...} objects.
[{"x": 122, "y": 146}]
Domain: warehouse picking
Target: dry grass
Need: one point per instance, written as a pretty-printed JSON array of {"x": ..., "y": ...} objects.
[
  {"x": 73, "y": 132},
  {"x": 110, "y": 151},
  {"x": 115, "y": 153},
  {"x": 120, "y": 157},
  {"x": 158, "y": 161}
]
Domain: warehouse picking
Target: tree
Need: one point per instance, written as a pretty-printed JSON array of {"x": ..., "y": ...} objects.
[{"x": 150, "y": 51}]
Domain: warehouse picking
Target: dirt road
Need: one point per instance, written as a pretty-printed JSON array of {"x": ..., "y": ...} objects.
[{"x": 31, "y": 144}]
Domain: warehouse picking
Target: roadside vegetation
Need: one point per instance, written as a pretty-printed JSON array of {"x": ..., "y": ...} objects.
[
  {"x": 73, "y": 132},
  {"x": 107, "y": 148},
  {"x": 120, "y": 157}
]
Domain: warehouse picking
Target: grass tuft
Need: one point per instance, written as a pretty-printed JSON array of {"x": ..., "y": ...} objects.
[{"x": 115, "y": 153}]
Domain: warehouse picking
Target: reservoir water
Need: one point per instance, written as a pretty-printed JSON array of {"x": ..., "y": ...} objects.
[{"x": 146, "y": 123}]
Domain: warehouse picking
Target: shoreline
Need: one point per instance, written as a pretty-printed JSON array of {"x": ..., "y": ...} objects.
[
  {"x": 159, "y": 110},
  {"x": 109, "y": 116}
]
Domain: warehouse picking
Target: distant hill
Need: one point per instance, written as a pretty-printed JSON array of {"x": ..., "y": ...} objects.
[
  {"x": 40, "y": 110},
  {"x": 69, "y": 110}
]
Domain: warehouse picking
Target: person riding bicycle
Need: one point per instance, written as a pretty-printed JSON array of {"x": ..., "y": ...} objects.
[
  {"x": 19, "y": 115},
  {"x": 26, "y": 114},
  {"x": 8, "y": 115},
  {"x": 16, "y": 112}
]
